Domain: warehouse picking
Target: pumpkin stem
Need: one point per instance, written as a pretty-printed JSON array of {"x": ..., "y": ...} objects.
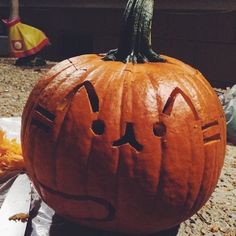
[{"x": 135, "y": 40}]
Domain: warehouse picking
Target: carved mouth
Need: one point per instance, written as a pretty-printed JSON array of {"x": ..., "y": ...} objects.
[{"x": 85, "y": 198}]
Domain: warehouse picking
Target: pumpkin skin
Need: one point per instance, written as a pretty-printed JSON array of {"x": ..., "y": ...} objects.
[{"x": 124, "y": 147}]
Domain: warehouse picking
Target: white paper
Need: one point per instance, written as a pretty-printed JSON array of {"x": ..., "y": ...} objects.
[{"x": 12, "y": 127}]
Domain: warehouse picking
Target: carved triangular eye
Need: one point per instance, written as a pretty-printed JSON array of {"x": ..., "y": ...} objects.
[{"x": 98, "y": 127}]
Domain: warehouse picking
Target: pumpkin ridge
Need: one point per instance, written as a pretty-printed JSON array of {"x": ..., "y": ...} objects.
[
  {"x": 106, "y": 85},
  {"x": 86, "y": 178},
  {"x": 221, "y": 162},
  {"x": 86, "y": 185},
  {"x": 217, "y": 165},
  {"x": 201, "y": 195},
  {"x": 207, "y": 86},
  {"x": 55, "y": 148},
  {"x": 73, "y": 92},
  {"x": 199, "y": 186},
  {"x": 193, "y": 83},
  {"x": 118, "y": 169},
  {"x": 51, "y": 107},
  {"x": 122, "y": 105},
  {"x": 30, "y": 154},
  {"x": 214, "y": 173},
  {"x": 190, "y": 105},
  {"x": 159, "y": 188},
  {"x": 83, "y": 77},
  {"x": 190, "y": 196},
  {"x": 213, "y": 97},
  {"x": 205, "y": 83},
  {"x": 51, "y": 89},
  {"x": 72, "y": 63},
  {"x": 61, "y": 125},
  {"x": 197, "y": 96},
  {"x": 158, "y": 96},
  {"x": 83, "y": 60},
  {"x": 187, "y": 82},
  {"x": 31, "y": 108},
  {"x": 162, "y": 139},
  {"x": 68, "y": 93},
  {"x": 59, "y": 81},
  {"x": 109, "y": 84},
  {"x": 115, "y": 76},
  {"x": 159, "y": 119}
]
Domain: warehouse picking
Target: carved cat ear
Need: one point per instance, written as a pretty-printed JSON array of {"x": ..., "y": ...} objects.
[
  {"x": 98, "y": 126},
  {"x": 171, "y": 100},
  {"x": 211, "y": 131},
  {"x": 90, "y": 90},
  {"x": 92, "y": 95}
]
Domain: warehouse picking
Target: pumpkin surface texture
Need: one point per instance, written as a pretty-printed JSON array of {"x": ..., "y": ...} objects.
[{"x": 131, "y": 141}]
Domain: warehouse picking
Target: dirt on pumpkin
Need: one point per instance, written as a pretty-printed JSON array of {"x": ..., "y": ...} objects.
[{"x": 217, "y": 217}]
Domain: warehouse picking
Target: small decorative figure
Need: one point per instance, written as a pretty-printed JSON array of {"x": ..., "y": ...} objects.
[{"x": 25, "y": 41}]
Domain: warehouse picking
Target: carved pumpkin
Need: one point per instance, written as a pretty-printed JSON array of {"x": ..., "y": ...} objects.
[{"x": 131, "y": 142}]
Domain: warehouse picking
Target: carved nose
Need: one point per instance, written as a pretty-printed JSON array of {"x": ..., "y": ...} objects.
[{"x": 129, "y": 137}]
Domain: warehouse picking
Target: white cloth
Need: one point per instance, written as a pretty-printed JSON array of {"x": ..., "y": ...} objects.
[{"x": 12, "y": 126}]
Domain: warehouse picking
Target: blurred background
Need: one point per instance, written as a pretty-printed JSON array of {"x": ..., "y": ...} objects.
[{"x": 201, "y": 33}]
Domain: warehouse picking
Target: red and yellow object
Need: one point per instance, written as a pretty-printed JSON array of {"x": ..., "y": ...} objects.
[{"x": 25, "y": 40}]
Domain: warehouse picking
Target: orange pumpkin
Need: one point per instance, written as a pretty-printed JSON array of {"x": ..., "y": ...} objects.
[{"x": 131, "y": 142}]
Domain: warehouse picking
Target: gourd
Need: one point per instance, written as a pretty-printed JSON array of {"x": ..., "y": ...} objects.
[{"x": 130, "y": 141}]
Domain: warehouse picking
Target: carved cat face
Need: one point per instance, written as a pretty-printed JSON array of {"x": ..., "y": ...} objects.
[{"x": 110, "y": 142}]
